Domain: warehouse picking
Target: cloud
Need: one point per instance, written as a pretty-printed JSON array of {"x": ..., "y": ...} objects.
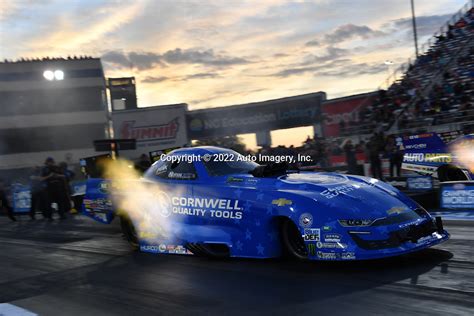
[
  {"x": 354, "y": 70},
  {"x": 118, "y": 59},
  {"x": 425, "y": 24},
  {"x": 313, "y": 42},
  {"x": 144, "y": 61},
  {"x": 149, "y": 60},
  {"x": 346, "y": 32},
  {"x": 204, "y": 57},
  {"x": 338, "y": 67},
  {"x": 332, "y": 53},
  {"x": 351, "y": 31},
  {"x": 152, "y": 79},
  {"x": 202, "y": 75}
]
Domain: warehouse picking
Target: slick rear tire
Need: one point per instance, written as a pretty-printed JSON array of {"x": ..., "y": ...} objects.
[
  {"x": 128, "y": 230},
  {"x": 293, "y": 243}
]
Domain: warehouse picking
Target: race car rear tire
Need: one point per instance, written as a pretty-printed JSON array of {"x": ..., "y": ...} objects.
[
  {"x": 129, "y": 231},
  {"x": 451, "y": 173},
  {"x": 293, "y": 243}
]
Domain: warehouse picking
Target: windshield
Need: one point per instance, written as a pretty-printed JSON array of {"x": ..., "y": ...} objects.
[{"x": 231, "y": 163}]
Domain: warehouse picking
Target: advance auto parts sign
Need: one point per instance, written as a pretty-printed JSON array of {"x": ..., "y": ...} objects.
[
  {"x": 154, "y": 128},
  {"x": 255, "y": 117}
]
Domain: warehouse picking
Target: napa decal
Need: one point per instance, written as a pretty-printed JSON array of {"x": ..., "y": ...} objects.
[{"x": 206, "y": 207}]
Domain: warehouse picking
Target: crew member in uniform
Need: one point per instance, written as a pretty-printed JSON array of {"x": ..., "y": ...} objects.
[
  {"x": 56, "y": 188},
  {"x": 4, "y": 204}
]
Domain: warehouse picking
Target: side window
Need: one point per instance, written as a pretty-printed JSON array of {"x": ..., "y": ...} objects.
[
  {"x": 162, "y": 170},
  {"x": 158, "y": 169},
  {"x": 182, "y": 171}
]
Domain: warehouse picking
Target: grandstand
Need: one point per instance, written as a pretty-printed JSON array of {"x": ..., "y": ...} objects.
[{"x": 435, "y": 91}]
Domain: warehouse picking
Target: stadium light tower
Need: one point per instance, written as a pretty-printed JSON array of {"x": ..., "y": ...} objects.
[
  {"x": 413, "y": 19},
  {"x": 388, "y": 63},
  {"x": 53, "y": 75},
  {"x": 58, "y": 74}
]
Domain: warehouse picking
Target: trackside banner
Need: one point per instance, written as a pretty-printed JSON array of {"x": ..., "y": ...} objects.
[
  {"x": 457, "y": 195},
  {"x": 154, "y": 128},
  {"x": 282, "y": 113},
  {"x": 344, "y": 110}
]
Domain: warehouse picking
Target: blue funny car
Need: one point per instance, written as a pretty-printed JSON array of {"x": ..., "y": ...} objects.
[{"x": 214, "y": 202}]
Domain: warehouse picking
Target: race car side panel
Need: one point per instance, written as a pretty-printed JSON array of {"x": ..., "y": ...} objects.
[{"x": 97, "y": 203}]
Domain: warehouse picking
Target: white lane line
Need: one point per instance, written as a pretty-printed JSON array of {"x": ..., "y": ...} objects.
[{"x": 7, "y": 309}]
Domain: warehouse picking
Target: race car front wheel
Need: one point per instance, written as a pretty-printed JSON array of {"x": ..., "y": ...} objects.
[
  {"x": 128, "y": 230},
  {"x": 292, "y": 241}
]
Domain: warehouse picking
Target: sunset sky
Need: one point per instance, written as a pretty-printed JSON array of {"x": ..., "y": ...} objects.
[{"x": 217, "y": 53}]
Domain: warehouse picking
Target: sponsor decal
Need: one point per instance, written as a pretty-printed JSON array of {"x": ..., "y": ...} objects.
[
  {"x": 306, "y": 220},
  {"x": 282, "y": 202},
  {"x": 180, "y": 175},
  {"x": 169, "y": 130},
  {"x": 332, "y": 238},
  {"x": 312, "y": 234},
  {"x": 103, "y": 187},
  {"x": 327, "y": 255},
  {"x": 428, "y": 157},
  {"x": 149, "y": 248},
  {"x": 99, "y": 204},
  {"x": 162, "y": 247},
  {"x": 348, "y": 256},
  {"x": 415, "y": 146},
  {"x": 327, "y": 228},
  {"x": 457, "y": 195},
  {"x": 334, "y": 192},
  {"x": 147, "y": 235},
  {"x": 216, "y": 208},
  {"x": 100, "y": 216},
  {"x": 397, "y": 210},
  {"x": 312, "y": 249},
  {"x": 331, "y": 245},
  {"x": 234, "y": 179},
  {"x": 410, "y": 223},
  {"x": 419, "y": 183}
]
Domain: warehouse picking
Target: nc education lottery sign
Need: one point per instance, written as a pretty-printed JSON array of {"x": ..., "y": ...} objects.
[
  {"x": 269, "y": 115},
  {"x": 154, "y": 128}
]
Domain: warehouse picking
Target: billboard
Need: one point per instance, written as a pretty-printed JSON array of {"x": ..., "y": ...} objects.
[
  {"x": 153, "y": 128},
  {"x": 457, "y": 195},
  {"x": 344, "y": 110},
  {"x": 269, "y": 115}
]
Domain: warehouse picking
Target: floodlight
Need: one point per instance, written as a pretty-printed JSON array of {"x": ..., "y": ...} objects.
[
  {"x": 59, "y": 74},
  {"x": 48, "y": 75}
]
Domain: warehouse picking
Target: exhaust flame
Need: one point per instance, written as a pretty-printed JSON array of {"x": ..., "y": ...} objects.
[
  {"x": 146, "y": 203},
  {"x": 464, "y": 152}
]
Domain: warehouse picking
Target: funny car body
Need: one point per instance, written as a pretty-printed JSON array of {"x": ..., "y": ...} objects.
[{"x": 235, "y": 208}]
